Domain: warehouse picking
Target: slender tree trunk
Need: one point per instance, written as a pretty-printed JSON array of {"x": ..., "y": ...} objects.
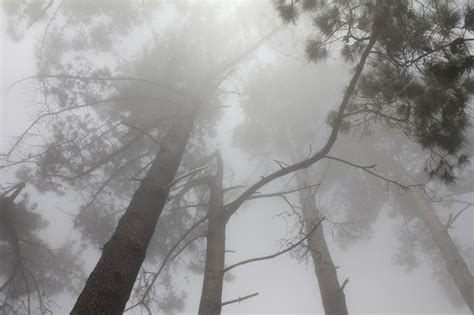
[
  {"x": 455, "y": 264},
  {"x": 108, "y": 287},
  {"x": 211, "y": 296},
  {"x": 332, "y": 295}
]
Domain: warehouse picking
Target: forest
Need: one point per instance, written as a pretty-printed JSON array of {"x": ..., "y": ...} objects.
[{"x": 237, "y": 157}]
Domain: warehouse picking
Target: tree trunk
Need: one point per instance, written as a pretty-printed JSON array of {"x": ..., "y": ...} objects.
[
  {"x": 108, "y": 287},
  {"x": 332, "y": 295},
  {"x": 455, "y": 264},
  {"x": 211, "y": 296}
]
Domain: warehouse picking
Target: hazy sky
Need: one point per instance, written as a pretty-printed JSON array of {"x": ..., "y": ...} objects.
[{"x": 285, "y": 286}]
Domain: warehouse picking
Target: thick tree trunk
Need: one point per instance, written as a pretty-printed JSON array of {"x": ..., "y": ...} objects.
[
  {"x": 455, "y": 264},
  {"x": 211, "y": 296},
  {"x": 332, "y": 295},
  {"x": 108, "y": 287}
]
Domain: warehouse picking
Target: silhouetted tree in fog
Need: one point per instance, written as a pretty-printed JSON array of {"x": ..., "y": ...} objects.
[
  {"x": 31, "y": 272},
  {"x": 417, "y": 80},
  {"x": 97, "y": 123},
  {"x": 281, "y": 120},
  {"x": 129, "y": 93}
]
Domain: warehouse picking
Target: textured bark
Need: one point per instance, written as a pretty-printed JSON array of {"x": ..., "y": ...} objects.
[
  {"x": 108, "y": 288},
  {"x": 211, "y": 296},
  {"x": 332, "y": 295},
  {"x": 455, "y": 264}
]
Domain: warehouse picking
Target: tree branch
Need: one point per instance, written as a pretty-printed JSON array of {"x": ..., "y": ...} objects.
[
  {"x": 240, "y": 299},
  {"x": 92, "y": 78},
  {"x": 89, "y": 104},
  {"x": 278, "y": 253},
  {"x": 368, "y": 170},
  {"x": 234, "y": 205},
  {"x": 165, "y": 260}
]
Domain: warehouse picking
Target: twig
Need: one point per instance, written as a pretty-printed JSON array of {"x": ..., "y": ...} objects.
[
  {"x": 281, "y": 164},
  {"x": 278, "y": 194},
  {"x": 184, "y": 176},
  {"x": 451, "y": 219},
  {"x": 344, "y": 284},
  {"x": 368, "y": 170},
  {"x": 71, "y": 108},
  {"x": 276, "y": 254},
  {"x": 165, "y": 260},
  {"x": 91, "y": 78},
  {"x": 142, "y": 131},
  {"x": 240, "y": 299}
]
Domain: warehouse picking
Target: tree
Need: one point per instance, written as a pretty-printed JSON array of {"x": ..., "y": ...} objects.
[
  {"x": 188, "y": 92},
  {"x": 418, "y": 78},
  {"x": 32, "y": 273},
  {"x": 422, "y": 232},
  {"x": 418, "y": 81},
  {"x": 269, "y": 129}
]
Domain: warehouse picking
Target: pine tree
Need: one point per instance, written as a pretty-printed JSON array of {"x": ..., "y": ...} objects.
[
  {"x": 122, "y": 126},
  {"x": 418, "y": 75},
  {"x": 32, "y": 273}
]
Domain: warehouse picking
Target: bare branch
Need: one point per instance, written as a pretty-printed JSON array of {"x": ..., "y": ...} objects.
[
  {"x": 451, "y": 219},
  {"x": 368, "y": 170},
  {"x": 165, "y": 260},
  {"x": 278, "y": 253},
  {"x": 279, "y": 194},
  {"x": 143, "y": 132},
  {"x": 71, "y": 108},
  {"x": 344, "y": 284},
  {"x": 92, "y": 78},
  {"x": 240, "y": 299},
  {"x": 190, "y": 173}
]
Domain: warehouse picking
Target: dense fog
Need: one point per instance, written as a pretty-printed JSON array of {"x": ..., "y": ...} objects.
[{"x": 240, "y": 157}]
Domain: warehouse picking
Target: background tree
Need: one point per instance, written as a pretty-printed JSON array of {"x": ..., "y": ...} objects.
[
  {"x": 32, "y": 273},
  {"x": 418, "y": 70},
  {"x": 418, "y": 81},
  {"x": 107, "y": 119}
]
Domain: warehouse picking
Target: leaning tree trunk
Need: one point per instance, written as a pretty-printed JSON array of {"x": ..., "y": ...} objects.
[
  {"x": 108, "y": 287},
  {"x": 211, "y": 296},
  {"x": 455, "y": 264},
  {"x": 332, "y": 294}
]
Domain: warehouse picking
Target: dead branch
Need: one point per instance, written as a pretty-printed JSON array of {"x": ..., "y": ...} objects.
[
  {"x": 92, "y": 78},
  {"x": 369, "y": 168},
  {"x": 276, "y": 254},
  {"x": 165, "y": 260},
  {"x": 143, "y": 132},
  {"x": 451, "y": 219},
  {"x": 240, "y": 299},
  {"x": 279, "y": 194},
  {"x": 190, "y": 173},
  {"x": 344, "y": 284},
  {"x": 72, "y": 108}
]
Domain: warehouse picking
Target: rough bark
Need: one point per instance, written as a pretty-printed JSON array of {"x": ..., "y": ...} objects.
[
  {"x": 108, "y": 287},
  {"x": 211, "y": 296},
  {"x": 332, "y": 295},
  {"x": 455, "y": 264}
]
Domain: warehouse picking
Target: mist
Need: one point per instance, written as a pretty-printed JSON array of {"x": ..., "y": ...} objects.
[{"x": 236, "y": 157}]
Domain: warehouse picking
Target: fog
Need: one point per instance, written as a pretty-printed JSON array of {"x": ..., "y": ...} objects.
[{"x": 240, "y": 157}]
